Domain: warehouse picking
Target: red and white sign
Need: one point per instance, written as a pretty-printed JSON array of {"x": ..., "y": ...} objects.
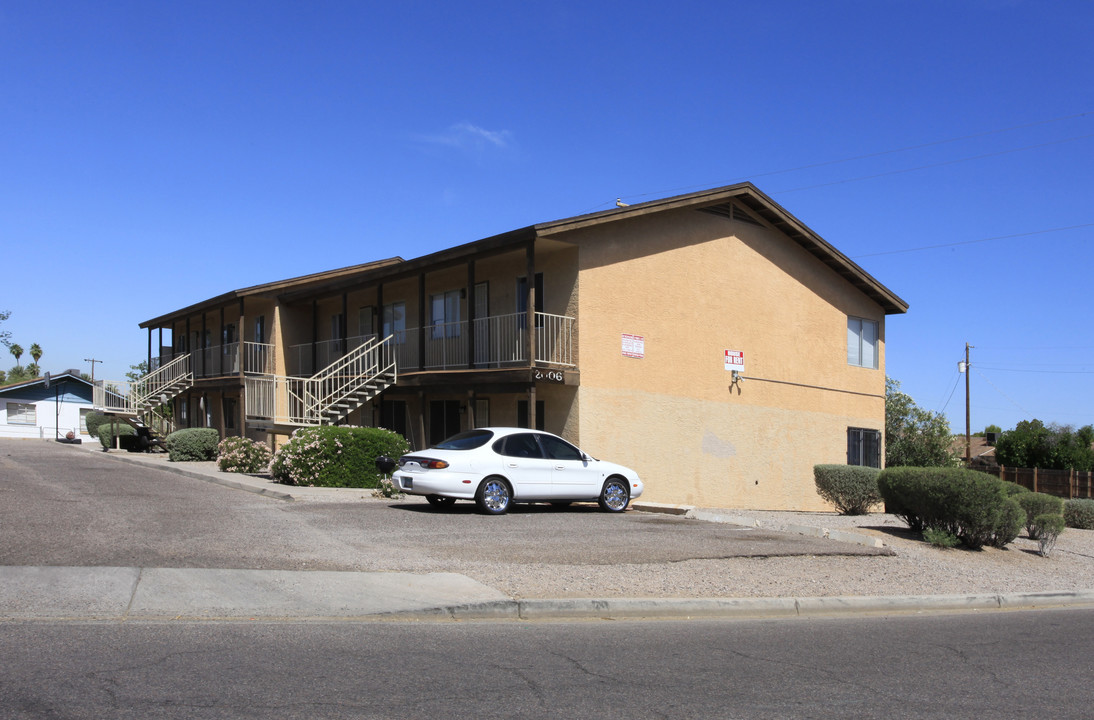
[
  {"x": 735, "y": 360},
  {"x": 634, "y": 346}
]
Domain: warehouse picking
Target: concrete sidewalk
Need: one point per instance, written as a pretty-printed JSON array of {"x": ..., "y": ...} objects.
[{"x": 164, "y": 594}]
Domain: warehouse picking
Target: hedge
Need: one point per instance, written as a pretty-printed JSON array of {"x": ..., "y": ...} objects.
[
  {"x": 851, "y": 488},
  {"x": 93, "y": 420},
  {"x": 331, "y": 456},
  {"x": 193, "y": 444},
  {"x": 108, "y": 433},
  {"x": 973, "y": 506}
]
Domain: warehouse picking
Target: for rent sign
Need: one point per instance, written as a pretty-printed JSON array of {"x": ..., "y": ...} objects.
[{"x": 735, "y": 360}]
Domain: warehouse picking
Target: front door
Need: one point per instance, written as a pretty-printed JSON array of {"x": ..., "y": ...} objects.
[{"x": 444, "y": 420}]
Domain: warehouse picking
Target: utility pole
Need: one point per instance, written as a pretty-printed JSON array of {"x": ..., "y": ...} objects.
[
  {"x": 92, "y": 361},
  {"x": 964, "y": 367}
]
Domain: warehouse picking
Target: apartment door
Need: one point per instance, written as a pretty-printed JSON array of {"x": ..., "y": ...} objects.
[{"x": 444, "y": 420}]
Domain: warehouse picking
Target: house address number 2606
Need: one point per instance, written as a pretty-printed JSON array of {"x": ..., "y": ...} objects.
[{"x": 549, "y": 375}]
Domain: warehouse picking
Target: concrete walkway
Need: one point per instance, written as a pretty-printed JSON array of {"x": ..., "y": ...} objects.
[{"x": 128, "y": 593}]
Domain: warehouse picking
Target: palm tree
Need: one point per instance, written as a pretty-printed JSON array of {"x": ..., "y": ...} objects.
[
  {"x": 17, "y": 351},
  {"x": 36, "y": 352}
]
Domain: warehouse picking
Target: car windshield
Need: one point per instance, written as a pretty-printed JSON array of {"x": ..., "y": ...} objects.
[{"x": 466, "y": 440}]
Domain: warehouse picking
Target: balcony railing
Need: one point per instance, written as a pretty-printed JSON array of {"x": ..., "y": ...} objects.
[{"x": 500, "y": 341}]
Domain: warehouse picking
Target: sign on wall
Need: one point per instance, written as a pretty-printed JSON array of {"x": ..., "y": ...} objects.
[
  {"x": 735, "y": 360},
  {"x": 634, "y": 346}
]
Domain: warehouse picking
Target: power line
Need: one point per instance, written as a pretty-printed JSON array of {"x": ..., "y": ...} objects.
[
  {"x": 933, "y": 165},
  {"x": 973, "y": 242}
]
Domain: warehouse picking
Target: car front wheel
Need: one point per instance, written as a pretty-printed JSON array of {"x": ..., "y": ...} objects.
[
  {"x": 615, "y": 495},
  {"x": 493, "y": 496}
]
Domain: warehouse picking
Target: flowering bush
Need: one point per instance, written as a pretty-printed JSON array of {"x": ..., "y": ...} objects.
[
  {"x": 329, "y": 456},
  {"x": 242, "y": 455},
  {"x": 387, "y": 489}
]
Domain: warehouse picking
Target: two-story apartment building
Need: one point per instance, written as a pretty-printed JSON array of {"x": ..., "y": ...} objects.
[{"x": 710, "y": 340}]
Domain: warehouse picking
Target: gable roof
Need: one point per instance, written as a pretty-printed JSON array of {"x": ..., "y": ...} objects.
[
  {"x": 722, "y": 200},
  {"x": 53, "y": 378}
]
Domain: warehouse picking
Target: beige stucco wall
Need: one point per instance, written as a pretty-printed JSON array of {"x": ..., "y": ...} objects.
[{"x": 694, "y": 285}]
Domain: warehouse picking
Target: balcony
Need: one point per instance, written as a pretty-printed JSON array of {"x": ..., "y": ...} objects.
[
  {"x": 221, "y": 360},
  {"x": 501, "y": 341}
]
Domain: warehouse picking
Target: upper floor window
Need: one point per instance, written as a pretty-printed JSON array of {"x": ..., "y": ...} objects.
[
  {"x": 862, "y": 338},
  {"x": 446, "y": 314}
]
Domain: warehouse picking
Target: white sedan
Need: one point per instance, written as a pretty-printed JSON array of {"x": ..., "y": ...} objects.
[{"x": 497, "y": 467}]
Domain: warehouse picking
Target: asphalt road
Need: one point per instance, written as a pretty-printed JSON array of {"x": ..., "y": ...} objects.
[
  {"x": 997, "y": 665},
  {"x": 64, "y": 505}
]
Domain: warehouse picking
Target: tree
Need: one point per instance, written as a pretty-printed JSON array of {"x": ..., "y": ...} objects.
[
  {"x": 914, "y": 436},
  {"x": 1032, "y": 444},
  {"x": 17, "y": 351},
  {"x": 36, "y": 352},
  {"x": 5, "y": 335}
]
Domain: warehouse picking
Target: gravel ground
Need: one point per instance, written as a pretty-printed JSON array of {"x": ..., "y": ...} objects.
[{"x": 915, "y": 568}]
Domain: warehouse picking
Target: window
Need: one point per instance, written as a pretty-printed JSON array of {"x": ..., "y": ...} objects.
[
  {"x": 522, "y": 445},
  {"x": 446, "y": 314},
  {"x": 559, "y": 449},
  {"x": 864, "y": 447},
  {"x": 227, "y": 337},
  {"x": 862, "y": 342},
  {"x": 260, "y": 329},
  {"x": 394, "y": 322},
  {"x": 229, "y": 408},
  {"x": 22, "y": 414},
  {"x": 364, "y": 321}
]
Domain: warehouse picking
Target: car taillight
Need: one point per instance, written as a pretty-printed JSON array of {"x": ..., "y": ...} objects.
[{"x": 433, "y": 464}]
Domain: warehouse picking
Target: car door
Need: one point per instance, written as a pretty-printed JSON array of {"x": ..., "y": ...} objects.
[
  {"x": 523, "y": 463},
  {"x": 572, "y": 475}
]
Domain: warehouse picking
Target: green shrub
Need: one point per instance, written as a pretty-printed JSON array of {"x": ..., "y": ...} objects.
[
  {"x": 107, "y": 433},
  {"x": 1035, "y": 503},
  {"x": 973, "y": 506},
  {"x": 851, "y": 488},
  {"x": 243, "y": 455},
  {"x": 1079, "y": 514},
  {"x": 940, "y": 538},
  {"x": 1048, "y": 528},
  {"x": 193, "y": 444},
  {"x": 93, "y": 420},
  {"x": 331, "y": 456},
  {"x": 1014, "y": 489}
]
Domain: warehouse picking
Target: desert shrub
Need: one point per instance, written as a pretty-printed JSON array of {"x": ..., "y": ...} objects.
[
  {"x": 1079, "y": 514},
  {"x": 107, "y": 433},
  {"x": 193, "y": 444},
  {"x": 851, "y": 488},
  {"x": 243, "y": 455},
  {"x": 93, "y": 420},
  {"x": 1048, "y": 528},
  {"x": 330, "y": 456},
  {"x": 1034, "y": 504},
  {"x": 1014, "y": 489},
  {"x": 940, "y": 538},
  {"x": 972, "y": 506}
]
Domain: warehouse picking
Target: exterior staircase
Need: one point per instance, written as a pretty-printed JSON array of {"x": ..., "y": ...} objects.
[
  {"x": 134, "y": 401},
  {"x": 327, "y": 397}
]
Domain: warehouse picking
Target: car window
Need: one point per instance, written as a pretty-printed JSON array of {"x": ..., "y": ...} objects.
[
  {"x": 521, "y": 445},
  {"x": 559, "y": 449},
  {"x": 466, "y": 440}
]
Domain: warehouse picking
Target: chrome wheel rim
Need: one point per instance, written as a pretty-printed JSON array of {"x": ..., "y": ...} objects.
[
  {"x": 495, "y": 495},
  {"x": 615, "y": 495}
]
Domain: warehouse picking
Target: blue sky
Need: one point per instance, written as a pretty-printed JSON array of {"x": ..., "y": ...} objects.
[{"x": 153, "y": 155}]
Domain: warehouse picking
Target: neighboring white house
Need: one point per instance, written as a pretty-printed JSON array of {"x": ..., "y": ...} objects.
[{"x": 31, "y": 410}]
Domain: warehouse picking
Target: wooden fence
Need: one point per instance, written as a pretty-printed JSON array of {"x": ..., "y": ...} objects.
[{"x": 1061, "y": 483}]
